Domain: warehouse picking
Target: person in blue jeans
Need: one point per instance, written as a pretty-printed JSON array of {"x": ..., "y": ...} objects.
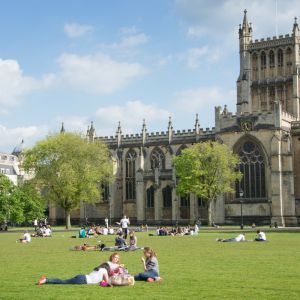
[{"x": 151, "y": 268}]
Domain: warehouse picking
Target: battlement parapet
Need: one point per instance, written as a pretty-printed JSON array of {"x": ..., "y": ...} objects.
[{"x": 268, "y": 43}]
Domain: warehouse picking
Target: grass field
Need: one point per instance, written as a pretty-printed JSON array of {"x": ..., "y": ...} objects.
[{"x": 193, "y": 267}]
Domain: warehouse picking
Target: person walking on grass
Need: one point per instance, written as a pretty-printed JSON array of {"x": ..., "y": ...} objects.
[
  {"x": 150, "y": 265},
  {"x": 124, "y": 224}
]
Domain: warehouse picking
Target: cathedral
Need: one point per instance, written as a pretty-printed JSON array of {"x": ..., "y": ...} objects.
[{"x": 264, "y": 132}]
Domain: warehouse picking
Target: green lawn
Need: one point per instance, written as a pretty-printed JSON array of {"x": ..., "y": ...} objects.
[{"x": 192, "y": 268}]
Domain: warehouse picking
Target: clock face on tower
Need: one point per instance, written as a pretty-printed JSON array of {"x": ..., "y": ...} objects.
[{"x": 246, "y": 125}]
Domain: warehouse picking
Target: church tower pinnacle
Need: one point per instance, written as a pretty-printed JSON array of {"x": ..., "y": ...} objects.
[{"x": 243, "y": 82}]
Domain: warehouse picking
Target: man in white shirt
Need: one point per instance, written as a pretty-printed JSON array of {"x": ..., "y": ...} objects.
[
  {"x": 261, "y": 236},
  {"x": 106, "y": 222},
  {"x": 124, "y": 224}
]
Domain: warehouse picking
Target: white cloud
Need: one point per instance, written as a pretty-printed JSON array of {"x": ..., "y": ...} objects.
[
  {"x": 128, "y": 30},
  {"x": 13, "y": 84},
  {"x": 131, "y": 115},
  {"x": 97, "y": 73},
  {"x": 133, "y": 40},
  {"x": 196, "y": 31},
  {"x": 10, "y": 137},
  {"x": 195, "y": 100},
  {"x": 75, "y": 30},
  {"x": 194, "y": 56}
]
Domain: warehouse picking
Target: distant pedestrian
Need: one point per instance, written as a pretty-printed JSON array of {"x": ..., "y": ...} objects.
[
  {"x": 35, "y": 224},
  {"x": 124, "y": 224},
  {"x": 106, "y": 222}
]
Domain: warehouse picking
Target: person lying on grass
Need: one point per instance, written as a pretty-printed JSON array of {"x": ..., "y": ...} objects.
[
  {"x": 98, "y": 276},
  {"x": 240, "y": 238},
  {"x": 151, "y": 268}
]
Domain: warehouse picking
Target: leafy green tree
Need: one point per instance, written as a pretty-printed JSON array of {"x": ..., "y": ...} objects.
[
  {"x": 69, "y": 170},
  {"x": 19, "y": 204},
  {"x": 206, "y": 170},
  {"x": 33, "y": 204},
  {"x": 11, "y": 206}
]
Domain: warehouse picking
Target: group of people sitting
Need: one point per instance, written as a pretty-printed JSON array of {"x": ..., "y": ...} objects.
[
  {"x": 43, "y": 231},
  {"x": 113, "y": 273},
  {"x": 94, "y": 231},
  {"x": 120, "y": 244},
  {"x": 175, "y": 231},
  {"x": 260, "y": 237}
]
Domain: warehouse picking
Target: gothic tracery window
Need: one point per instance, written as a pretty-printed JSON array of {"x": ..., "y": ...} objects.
[
  {"x": 167, "y": 196},
  {"x": 263, "y": 60},
  {"x": 271, "y": 59},
  {"x": 280, "y": 62},
  {"x": 185, "y": 201},
  {"x": 157, "y": 159},
  {"x": 252, "y": 167},
  {"x": 254, "y": 67},
  {"x": 130, "y": 175},
  {"x": 150, "y": 197}
]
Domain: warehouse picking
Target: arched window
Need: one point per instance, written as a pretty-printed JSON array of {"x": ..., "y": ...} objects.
[
  {"x": 252, "y": 166},
  {"x": 150, "y": 197},
  {"x": 272, "y": 59},
  {"x": 167, "y": 196},
  {"x": 254, "y": 67},
  {"x": 280, "y": 58},
  {"x": 130, "y": 174},
  {"x": 263, "y": 60},
  {"x": 185, "y": 201},
  {"x": 289, "y": 61},
  {"x": 105, "y": 191},
  {"x": 157, "y": 159}
]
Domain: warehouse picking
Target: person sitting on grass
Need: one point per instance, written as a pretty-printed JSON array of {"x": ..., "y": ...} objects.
[
  {"x": 240, "y": 238},
  {"x": 47, "y": 231},
  {"x": 132, "y": 242},
  {"x": 151, "y": 268},
  {"x": 82, "y": 233},
  {"x": 26, "y": 238},
  {"x": 120, "y": 242},
  {"x": 98, "y": 276},
  {"x": 261, "y": 236}
]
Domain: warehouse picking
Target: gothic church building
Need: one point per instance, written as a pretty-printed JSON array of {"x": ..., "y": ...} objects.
[{"x": 264, "y": 132}]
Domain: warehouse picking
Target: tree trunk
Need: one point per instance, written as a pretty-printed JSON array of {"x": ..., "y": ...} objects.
[
  {"x": 210, "y": 212},
  {"x": 68, "y": 219}
]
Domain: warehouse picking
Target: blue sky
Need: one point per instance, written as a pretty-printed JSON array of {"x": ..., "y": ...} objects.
[{"x": 109, "y": 61}]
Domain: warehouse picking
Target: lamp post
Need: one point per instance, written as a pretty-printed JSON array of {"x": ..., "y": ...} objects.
[{"x": 241, "y": 192}]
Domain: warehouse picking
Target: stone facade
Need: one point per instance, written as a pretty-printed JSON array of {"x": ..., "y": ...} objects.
[{"x": 264, "y": 132}]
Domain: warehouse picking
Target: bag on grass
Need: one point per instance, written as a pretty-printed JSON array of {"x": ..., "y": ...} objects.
[{"x": 121, "y": 280}]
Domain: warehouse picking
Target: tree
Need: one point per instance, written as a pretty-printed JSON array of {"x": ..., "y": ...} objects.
[
  {"x": 206, "y": 170},
  {"x": 68, "y": 170},
  {"x": 33, "y": 204},
  {"x": 11, "y": 207},
  {"x": 19, "y": 204}
]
